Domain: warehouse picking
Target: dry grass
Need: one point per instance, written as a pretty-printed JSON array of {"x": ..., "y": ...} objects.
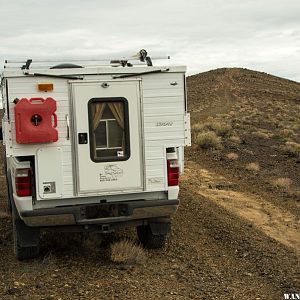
[
  {"x": 208, "y": 140},
  {"x": 232, "y": 156},
  {"x": 254, "y": 167},
  {"x": 43, "y": 266},
  {"x": 126, "y": 252},
  {"x": 235, "y": 139},
  {"x": 283, "y": 183},
  {"x": 219, "y": 128},
  {"x": 262, "y": 134},
  {"x": 211, "y": 124},
  {"x": 197, "y": 127},
  {"x": 4, "y": 215},
  {"x": 286, "y": 132},
  {"x": 292, "y": 149}
]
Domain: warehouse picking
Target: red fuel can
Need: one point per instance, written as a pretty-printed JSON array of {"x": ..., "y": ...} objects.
[{"x": 36, "y": 121}]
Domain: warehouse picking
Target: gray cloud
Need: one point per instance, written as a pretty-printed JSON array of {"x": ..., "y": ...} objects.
[{"x": 262, "y": 35}]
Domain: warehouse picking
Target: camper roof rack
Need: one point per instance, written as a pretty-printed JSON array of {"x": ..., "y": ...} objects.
[{"x": 140, "y": 58}]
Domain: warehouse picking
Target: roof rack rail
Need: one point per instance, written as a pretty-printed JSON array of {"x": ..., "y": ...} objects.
[{"x": 141, "y": 57}]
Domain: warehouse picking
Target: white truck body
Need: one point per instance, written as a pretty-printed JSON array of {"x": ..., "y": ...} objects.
[{"x": 65, "y": 173}]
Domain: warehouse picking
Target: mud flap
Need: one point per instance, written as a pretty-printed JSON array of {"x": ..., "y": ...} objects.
[
  {"x": 26, "y": 236},
  {"x": 160, "y": 226}
]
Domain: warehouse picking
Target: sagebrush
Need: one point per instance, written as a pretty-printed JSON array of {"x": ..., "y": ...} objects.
[
  {"x": 208, "y": 140},
  {"x": 127, "y": 252}
]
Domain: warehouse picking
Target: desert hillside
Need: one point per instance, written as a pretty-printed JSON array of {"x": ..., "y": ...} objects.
[{"x": 246, "y": 124}]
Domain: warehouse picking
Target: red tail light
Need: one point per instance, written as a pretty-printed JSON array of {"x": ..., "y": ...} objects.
[
  {"x": 23, "y": 182},
  {"x": 173, "y": 172}
]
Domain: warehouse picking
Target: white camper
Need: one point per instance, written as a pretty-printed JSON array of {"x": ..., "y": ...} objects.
[{"x": 93, "y": 147}]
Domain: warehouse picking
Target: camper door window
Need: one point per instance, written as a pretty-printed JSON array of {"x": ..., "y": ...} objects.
[{"x": 109, "y": 130}]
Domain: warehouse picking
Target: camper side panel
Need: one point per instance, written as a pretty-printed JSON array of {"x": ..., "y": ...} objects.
[{"x": 163, "y": 112}]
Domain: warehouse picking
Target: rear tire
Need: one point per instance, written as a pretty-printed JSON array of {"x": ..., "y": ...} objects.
[
  {"x": 26, "y": 240},
  {"x": 148, "y": 239}
]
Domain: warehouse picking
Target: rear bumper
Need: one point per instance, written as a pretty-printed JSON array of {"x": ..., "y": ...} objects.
[{"x": 106, "y": 213}]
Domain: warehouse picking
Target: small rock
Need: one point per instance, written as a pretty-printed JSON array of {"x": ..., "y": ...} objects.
[
  {"x": 175, "y": 266},
  {"x": 39, "y": 285},
  {"x": 13, "y": 291}
]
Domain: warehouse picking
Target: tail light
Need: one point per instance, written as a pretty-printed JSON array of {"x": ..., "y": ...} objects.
[
  {"x": 173, "y": 172},
  {"x": 23, "y": 182}
]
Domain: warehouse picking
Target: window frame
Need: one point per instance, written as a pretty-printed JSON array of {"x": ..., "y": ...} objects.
[
  {"x": 126, "y": 130},
  {"x": 106, "y": 121}
]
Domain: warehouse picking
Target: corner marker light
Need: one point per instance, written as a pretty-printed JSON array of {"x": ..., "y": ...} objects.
[{"x": 45, "y": 87}]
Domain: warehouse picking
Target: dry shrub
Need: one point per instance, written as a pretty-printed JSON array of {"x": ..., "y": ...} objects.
[
  {"x": 211, "y": 124},
  {"x": 197, "y": 127},
  {"x": 210, "y": 119},
  {"x": 284, "y": 183},
  {"x": 295, "y": 127},
  {"x": 127, "y": 252},
  {"x": 254, "y": 167},
  {"x": 287, "y": 132},
  {"x": 208, "y": 140},
  {"x": 232, "y": 156},
  {"x": 262, "y": 134},
  {"x": 292, "y": 149},
  {"x": 220, "y": 128},
  {"x": 235, "y": 139}
]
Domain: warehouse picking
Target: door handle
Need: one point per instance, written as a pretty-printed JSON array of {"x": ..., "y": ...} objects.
[
  {"x": 82, "y": 138},
  {"x": 68, "y": 127}
]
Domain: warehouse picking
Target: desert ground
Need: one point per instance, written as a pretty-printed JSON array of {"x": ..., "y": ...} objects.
[{"x": 236, "y": 232}]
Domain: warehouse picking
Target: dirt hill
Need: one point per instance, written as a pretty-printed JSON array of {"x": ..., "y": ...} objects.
[{"x": 246, "y": 124}]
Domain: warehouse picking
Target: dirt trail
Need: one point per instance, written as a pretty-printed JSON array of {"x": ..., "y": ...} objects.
[
  {"x": 273, "y": 221},
  {"x": 225, "y": 98}
]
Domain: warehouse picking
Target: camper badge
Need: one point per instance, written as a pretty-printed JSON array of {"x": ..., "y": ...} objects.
[
  {"x": 111, "y": 173},
  {"x": 164, "y": 123}
]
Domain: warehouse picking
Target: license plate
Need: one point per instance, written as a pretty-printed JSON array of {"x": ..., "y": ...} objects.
[{"x": 105, "y": 211}]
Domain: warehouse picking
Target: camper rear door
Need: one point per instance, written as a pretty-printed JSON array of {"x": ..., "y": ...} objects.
[{"x": 107, "y": 138}]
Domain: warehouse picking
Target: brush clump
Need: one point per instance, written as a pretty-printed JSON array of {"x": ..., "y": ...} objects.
[
  {"x": 127, "y": 252},
  {"x": 254, "y": 167},
  {"x": 208, "y": 140},
  {"x": 283, "y": 183}
]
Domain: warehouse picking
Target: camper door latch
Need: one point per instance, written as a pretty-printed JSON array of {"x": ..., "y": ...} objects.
[{"x": 82, "y": 138}]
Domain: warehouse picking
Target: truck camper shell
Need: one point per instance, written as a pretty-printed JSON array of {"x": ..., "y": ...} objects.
[{"x": 93, "y": 147}]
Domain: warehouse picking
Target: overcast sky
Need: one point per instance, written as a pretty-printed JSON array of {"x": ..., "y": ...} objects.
[{"x": 257, "y": 34}]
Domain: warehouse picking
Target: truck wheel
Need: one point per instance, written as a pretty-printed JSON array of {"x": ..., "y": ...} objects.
[
  {"x": 26, "y": 240},
  {"x": 150, "y": 239}
]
